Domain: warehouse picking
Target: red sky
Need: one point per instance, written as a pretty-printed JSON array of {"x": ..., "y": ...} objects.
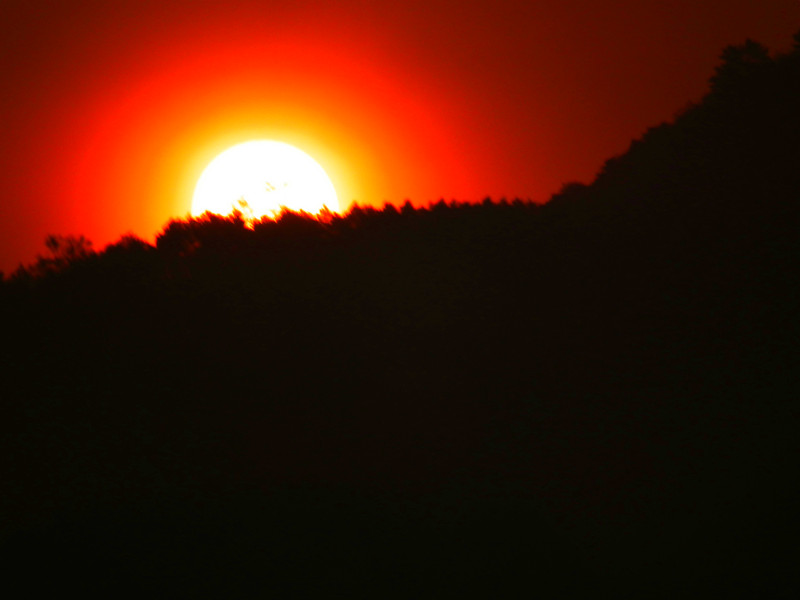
[{"x": 110, "y": 110}]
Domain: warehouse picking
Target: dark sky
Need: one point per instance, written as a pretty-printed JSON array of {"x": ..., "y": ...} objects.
[{"x": 110, "y": 110}]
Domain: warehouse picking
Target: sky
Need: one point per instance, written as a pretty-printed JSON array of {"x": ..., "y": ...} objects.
[{"x": 110, "y": 110}]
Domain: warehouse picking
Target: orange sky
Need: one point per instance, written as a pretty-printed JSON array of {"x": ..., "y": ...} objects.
[{"x": 110, "y": 111}]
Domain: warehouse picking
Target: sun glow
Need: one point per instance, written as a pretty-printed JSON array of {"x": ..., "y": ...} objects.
[{"x": 261, "y": 177}]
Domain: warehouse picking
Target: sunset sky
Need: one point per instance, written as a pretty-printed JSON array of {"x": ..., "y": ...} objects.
[{"x": 111, "y": 110}]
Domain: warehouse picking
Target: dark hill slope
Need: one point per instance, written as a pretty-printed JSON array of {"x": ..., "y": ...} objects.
[{"x": 596, "y": 395}]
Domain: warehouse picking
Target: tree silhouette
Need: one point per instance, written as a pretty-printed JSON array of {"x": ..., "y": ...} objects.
[
  {"x": 496, "y": 396},
  {"x": 63, "y": 252},
  {"x": 739, "y": 63}
]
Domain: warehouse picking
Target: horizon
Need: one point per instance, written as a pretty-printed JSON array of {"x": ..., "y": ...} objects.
[
  {"x": 108, "y": 128},
  {"x": 595, "y": 395}
]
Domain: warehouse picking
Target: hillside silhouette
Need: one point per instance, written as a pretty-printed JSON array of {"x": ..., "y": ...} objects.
[{"x": 598, "y": 394}]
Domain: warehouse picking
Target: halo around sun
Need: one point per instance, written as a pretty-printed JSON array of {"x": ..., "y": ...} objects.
[{"x": 261, "y": 177}]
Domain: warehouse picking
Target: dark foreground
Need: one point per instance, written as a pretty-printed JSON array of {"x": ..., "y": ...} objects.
[{"x": 594, "y": 397}]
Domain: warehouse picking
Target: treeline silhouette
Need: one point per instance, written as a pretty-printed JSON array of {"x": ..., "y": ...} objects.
[{"x": 595, "y": 395}]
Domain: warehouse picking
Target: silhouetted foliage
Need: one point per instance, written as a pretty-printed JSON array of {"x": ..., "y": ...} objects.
[
  {"x": 597, "y": 395},
  {"x": 739, "y": 65},
  {"x": 63, "y": 252}
]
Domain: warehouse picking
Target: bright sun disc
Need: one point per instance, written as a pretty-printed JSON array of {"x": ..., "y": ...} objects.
[{"x": 261, "y": 177}]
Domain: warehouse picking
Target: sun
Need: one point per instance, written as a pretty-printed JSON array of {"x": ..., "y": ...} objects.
[{"x": 261, "y": 177}]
